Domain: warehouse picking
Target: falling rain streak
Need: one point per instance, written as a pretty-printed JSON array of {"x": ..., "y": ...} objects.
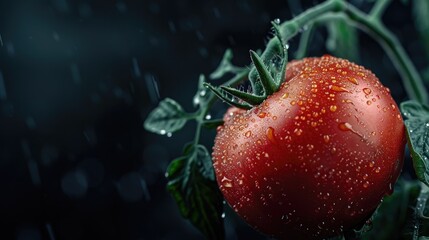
[
  {"x": 3, "y": 94},
  {"x": 90, "y": 136},
  {"x": 136, "y": 68},
  {"x": 34, "y": 172},
  {"x": 152, "y": 88},
  {"x": 33, "y": 168},
  {"x": 1, "y": 41},
  {"x": 75, "y": 73},
  {"x": 132, "y": 187},
  {"x": 50, "y": 231}
]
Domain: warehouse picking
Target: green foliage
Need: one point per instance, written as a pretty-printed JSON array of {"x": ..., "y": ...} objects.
[
  {"x": 168, "y": 117},
  {"x": 417, "y": 124},
  {"x": 192, "y": 185},
  {"x": 225, "y": 66},
  {"x": 211, "y": 124},
  {"x": 396, "y": 214},
  {"x": 191, "y": 179},
  {"x": 266, "y": 75}
]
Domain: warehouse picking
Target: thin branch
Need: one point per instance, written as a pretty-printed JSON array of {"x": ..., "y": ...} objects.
[
  {"x": 379, "y": 8},
  {"x": 411, "y": 79},
  {"x": 304, "y": 42}
]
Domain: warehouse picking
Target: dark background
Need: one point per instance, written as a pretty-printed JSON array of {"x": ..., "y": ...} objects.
[{"x": 78, "y": 78}]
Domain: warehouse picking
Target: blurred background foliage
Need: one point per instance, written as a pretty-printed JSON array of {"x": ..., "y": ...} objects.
[{"x": 77, "y": 79}]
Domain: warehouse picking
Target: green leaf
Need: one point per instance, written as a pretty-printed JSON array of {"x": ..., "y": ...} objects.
[
  {"x": 269, "y": 69},
  {"x": 222, "y": 94},
  {"x": 279, "y": 62},
  {"x": 192, "y": 184},
  {"x": 168, "y": 117},
  {"x": 225, "y": 66},
  {"x": 210, "y": 124},
  {"x": 395, "y": 216},
  {"x": 343, "y": 40},
  {"x": 265, "y": 77},
  {"x": 247, "y": 97},
  {"x": 202, "y": 96},
  {"x": 417, "y": 124}
]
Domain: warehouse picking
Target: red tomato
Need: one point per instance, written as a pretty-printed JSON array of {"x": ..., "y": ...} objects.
[{"x": 316, "y": 157}]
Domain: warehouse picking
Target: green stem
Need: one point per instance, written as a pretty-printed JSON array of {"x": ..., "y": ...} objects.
[
  {"x": 379, "y": 8},
  {"x": 202, "y": 112},
  {"x": 292, "y": 27},
  {"x": 411, "y": 79},
  {"x": 420, "y": 208},
  {"x": 304, "y": 42}
]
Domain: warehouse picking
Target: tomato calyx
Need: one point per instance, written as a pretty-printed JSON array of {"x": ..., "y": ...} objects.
[{"x": 266, "y": 75}]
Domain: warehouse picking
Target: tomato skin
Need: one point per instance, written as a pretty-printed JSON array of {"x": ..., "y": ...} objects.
[{"x": 316, "y": 157}]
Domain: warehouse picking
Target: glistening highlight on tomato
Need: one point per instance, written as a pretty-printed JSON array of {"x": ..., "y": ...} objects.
[{"x": 317, "y": 156}]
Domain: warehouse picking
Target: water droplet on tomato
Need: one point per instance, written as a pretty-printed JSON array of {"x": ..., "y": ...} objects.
[
  {"x": 368, "y": 102},
  {"x": 226, "y": 182},
  {"x": 326, "y": 138},
  {"x": 367, "y": 91},
  {"x": 333, "y": 108},
  {"x": 348, "y": 101},
  {"x": 338, "y": 88},
  {"x": 271, "y": 135},
  {"x": 248, "y": 134},
  {"x": 345, "y": 126},
  {"x": 262, "y": 114},
  {"x": 390, "y": 189},
  {"x": 353, "y": 80},
  {"x": 286, "y": 95},
  {"x": 298, "y": 131}
]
